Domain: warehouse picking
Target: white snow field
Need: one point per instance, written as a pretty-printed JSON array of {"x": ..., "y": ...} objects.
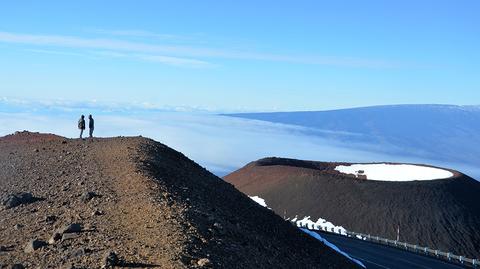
[{"x": 394, "y": 172}]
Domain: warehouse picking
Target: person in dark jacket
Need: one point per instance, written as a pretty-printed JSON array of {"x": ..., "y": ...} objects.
[
  {"x": 81, "y": 125},
  {"x": 91, "y": 125}
]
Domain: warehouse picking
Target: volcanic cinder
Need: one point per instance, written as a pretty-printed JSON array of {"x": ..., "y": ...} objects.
[
  {"x": 133, "y": 202},
  {"x": 440, "y": 213}
]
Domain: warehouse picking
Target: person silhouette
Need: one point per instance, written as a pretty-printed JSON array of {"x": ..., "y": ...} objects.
[
  {"x": 91, "y": 125},
  {"x": 81, "y": 125}
]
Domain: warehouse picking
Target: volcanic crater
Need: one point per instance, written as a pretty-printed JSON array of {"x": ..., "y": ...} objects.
[{"x": 440, "y": 213}]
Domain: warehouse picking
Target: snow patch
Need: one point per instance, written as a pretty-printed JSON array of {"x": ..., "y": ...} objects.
[
  {"x": 320, "y": 224},
  {"x": 394, "y": 172},
  {"x": 259, "y": 201},
  {"x": 332, "y": 246},
  {"x": 360, "y": 237}
]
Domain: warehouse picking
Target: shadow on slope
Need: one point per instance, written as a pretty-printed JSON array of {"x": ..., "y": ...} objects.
[{"x": 235, "y": 232}]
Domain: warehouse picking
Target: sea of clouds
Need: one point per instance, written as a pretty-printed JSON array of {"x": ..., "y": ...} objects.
[{"x": 220, "y": 143}]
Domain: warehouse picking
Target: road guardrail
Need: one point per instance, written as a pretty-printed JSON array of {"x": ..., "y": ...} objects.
[{"x": 447, "y": 256}]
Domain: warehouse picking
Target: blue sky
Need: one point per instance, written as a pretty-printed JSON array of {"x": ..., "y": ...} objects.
[{"x": 242, "y": 55}]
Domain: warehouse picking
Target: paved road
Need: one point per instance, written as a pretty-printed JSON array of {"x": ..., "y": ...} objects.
[{"x": 376, "y": 256}]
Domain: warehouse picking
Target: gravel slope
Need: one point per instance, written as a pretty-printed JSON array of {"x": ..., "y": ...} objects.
[{"x": 138, "y": 204}]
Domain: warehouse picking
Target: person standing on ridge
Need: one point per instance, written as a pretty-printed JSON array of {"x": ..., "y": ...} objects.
[
  {"x": 91, "y": 125},
  {"x": 81, "y": 125}
]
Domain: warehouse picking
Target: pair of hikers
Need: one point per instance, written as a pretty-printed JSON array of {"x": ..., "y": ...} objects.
[{"x": 81, "y": 125}]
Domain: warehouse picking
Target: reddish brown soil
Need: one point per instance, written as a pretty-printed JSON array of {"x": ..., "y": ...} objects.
[
  {"x": 153, "y": 207},
  {"x": 441, "y": 214}
]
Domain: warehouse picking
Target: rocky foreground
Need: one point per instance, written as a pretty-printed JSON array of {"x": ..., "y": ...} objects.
[{"x": 133, "y": 202}]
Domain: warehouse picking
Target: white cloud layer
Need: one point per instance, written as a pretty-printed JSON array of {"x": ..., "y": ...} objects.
[{"x": 221, "y": 144}]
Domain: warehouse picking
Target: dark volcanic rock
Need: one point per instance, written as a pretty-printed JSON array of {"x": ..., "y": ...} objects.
[
  {"x": 71, "y": 228},
  {"x": 110, "y": 259},
  {"x": 87, "y": 196},
  {"x": 34, "y": 245},
  {"x": 50, "y": 219},
  {"x": 16, "y": 199},
  {"x": 97, "y": 212},
  {"x": 55, "y": 238}
]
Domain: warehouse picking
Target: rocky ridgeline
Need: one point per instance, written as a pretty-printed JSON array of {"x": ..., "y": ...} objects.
[{"x": 132, "y": 202}]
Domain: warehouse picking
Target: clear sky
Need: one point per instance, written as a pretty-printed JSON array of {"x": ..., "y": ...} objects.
[{"x": 247, "y": 55}]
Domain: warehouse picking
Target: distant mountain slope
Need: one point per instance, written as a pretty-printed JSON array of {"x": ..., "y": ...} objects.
[
  {"x": 441, "y": 132},
  {"x": 140, "y": 199},
  {"x": 442, "y": 214}
]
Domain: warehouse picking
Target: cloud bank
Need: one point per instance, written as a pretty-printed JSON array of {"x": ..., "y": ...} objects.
[{"x": 221, "y": 144}]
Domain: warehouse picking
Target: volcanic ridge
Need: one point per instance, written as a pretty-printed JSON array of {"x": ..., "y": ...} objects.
[
  {"x": 133, "y": 202},
  {"x": 441, "y": 213}
]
